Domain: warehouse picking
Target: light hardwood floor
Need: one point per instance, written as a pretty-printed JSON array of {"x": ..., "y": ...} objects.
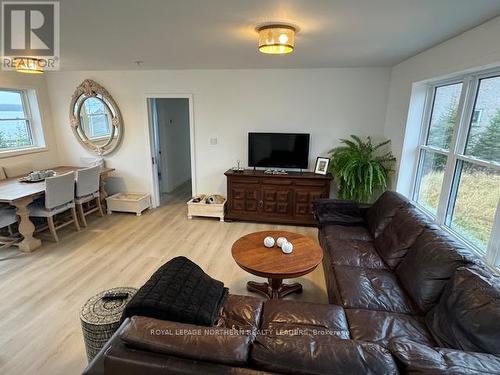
[{"x": 42, "y": 292}]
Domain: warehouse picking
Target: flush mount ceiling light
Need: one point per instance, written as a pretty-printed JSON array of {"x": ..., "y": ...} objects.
[
  {"x": 29, "y": 65},
  {"x": 276, "y": 39}
]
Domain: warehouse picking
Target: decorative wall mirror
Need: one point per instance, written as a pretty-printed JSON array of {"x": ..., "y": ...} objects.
[{"x": 95, "y": 118}]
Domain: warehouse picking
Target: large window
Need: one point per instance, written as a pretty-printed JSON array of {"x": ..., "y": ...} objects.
[
  {"x": 458, "y": 174},
  {"x": 15, "y": 121}
]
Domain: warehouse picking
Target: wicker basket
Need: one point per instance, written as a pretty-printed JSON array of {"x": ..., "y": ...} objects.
[{"x": 100, "y": 319}]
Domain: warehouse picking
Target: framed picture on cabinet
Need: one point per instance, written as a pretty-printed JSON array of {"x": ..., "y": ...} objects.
[{"x": 321, "y": 165}]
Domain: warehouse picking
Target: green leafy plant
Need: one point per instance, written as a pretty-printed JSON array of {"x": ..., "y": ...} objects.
[{"x": 360, "y": 167}]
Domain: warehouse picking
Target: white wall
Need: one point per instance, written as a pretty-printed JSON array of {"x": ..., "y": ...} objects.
[
  {"x": 476, "y": 48},
  {"x": 328, "y": 103},
  {"x": 49, "y": 157},
  {"x": 173, "y": 124}
]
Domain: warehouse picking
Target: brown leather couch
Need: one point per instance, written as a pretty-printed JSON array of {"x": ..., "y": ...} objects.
[
  {"x": 408, "y": 286},
  {"x": 251, "y": 337},
  {"x": 404, "y": 297}
]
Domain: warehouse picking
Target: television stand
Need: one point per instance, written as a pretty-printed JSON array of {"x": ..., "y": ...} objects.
[{"x": 254, "y": 195}]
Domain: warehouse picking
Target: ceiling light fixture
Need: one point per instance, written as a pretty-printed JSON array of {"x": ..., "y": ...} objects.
[
  {"x": 29, "y": 65},
  {"x": 276, "y": 39}
]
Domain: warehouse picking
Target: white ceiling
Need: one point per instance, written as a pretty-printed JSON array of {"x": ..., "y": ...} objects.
[{"x": 191, "y": 34}]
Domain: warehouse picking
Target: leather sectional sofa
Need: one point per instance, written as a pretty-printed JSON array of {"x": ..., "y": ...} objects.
[{"x": 404, "y": 298}]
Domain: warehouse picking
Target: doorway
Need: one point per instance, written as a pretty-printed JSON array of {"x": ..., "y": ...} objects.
[{"x": 171, "y": 131}]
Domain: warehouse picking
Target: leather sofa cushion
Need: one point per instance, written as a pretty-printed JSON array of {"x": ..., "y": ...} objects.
[
  {"x": 292, "y": 318},
  {"x": 372, "y": 289},
  {"x": 355, "y": 253},
  {"x": 241, "y": 313},
  {"x": 429, "y": 265},
  {"x": 320, "y": 355},
  {"x": 213, "y": 344},
  {"x": 383, "y": 210},
  {"x": 330, "y": 280},
  {"x": 467, "y": 317},
  {"x": 399, "y": 235},
  {"x": 121, "y": 360},
  {"x": 414, "y": 358},
  {"x": 380, "y": 327},
  {"x": 341, "y": 232}
]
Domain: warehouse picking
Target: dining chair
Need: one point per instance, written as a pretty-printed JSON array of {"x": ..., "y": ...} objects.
[
  {"x": 7, "y": 218},
  {"x": 59, "y": 197},
  {"x": 87, "y": 190},
  {"x": 3, "y": 176},
  {"x": 18, "y": 170}
]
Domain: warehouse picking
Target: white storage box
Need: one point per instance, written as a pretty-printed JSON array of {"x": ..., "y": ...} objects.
[
  {"x": 128, "y": 202},
  {"x": 205, "y": 209}
]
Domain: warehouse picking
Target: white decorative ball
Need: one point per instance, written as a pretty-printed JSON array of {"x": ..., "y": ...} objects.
[
  {"x": 280, "y": 241},
  {"x": 287, "y": 247},
  {"x": 268, "y": 242}
]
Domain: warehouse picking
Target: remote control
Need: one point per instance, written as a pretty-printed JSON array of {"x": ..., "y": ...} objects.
[{"x": 115, "y": 295}]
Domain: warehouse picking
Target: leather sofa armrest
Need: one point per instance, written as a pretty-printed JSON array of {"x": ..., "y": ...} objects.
[
  {"x": 413, "y": 357},
  {"x": 340, "y": 212},
  {"x": 212, "y": 344}
]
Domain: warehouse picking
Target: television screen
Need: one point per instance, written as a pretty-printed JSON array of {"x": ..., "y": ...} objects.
[{"x": 278, "y": 150}]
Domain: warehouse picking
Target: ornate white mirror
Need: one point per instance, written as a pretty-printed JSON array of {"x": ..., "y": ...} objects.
[{"x": 95, "y": 118}]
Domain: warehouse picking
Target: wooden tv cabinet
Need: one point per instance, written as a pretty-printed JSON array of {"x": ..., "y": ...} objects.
[{"x": 284, "y": 199}]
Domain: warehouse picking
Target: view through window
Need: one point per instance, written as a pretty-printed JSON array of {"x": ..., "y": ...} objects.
[
  {"x": 95, "y": 118},
  {"x": 15, "y": 123},
  {"x": 458, "y": 175}
]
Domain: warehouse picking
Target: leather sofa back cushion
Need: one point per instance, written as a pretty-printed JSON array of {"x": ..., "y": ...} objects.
[
  {"x": 240, "y": 312},
  {"x": 467, "y": 316},
  {"x": 414, "y": 358},
  {"x": 120, "y": 360},
  {"x": 399, "y": 235},
  {"x": 187, "y": 340},
  {"x": 383, "y": 210},
  {"x": 302, "y": 318},
  {"x": 430, "y": 263},
  {"x": 320, "y": 355}
]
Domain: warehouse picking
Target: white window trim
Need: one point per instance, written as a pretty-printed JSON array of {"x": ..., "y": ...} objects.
[
  {"x": 32, "y": 108},
  {"x": 455, "y": 153}
]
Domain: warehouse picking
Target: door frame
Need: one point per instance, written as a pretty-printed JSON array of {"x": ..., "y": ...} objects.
[{"x": 151, "y": 139}]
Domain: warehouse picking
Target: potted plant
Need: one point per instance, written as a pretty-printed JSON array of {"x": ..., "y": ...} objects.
[{"x": 360, "y": 167}]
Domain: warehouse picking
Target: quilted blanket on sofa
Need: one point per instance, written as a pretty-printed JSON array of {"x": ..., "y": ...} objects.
[{"x": 179, "y": 291}]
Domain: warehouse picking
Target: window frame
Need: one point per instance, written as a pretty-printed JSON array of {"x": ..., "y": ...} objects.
[
  {"x": 34, "y": 119},
  {"x": 27, "y": 117},
  {"x": 456, "y": 154},
  {"x": 88, "y": 127}
]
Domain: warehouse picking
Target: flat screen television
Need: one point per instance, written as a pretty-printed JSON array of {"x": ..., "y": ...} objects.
[{"x": 278, "y": 150}]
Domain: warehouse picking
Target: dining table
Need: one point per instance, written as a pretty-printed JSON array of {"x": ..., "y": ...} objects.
[{"x": 20, "y": 194}]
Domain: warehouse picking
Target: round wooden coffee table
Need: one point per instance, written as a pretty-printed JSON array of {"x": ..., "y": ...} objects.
[{"x": 250, "y": 254}]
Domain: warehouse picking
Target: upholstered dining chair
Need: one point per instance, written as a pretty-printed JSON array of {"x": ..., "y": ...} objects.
[
  {"x": 7, "y": 218},
  {"x": 3, "y": 176},
  {"x": 87, "y": 190},
  {"x": 59, "y": 197}
]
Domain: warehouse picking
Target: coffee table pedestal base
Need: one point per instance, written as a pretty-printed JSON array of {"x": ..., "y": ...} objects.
[{"x": 274, "y": 288}]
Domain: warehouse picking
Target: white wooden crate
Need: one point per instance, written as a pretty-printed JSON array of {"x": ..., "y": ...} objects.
[
  {"x": 206, "y": 210},
  {"x": 128, "y": 202}
]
